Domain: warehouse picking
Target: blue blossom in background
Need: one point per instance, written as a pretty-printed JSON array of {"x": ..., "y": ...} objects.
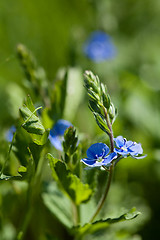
[
  {"x": 99, "y": 47},
  {"x": 56, "y": 134},
  {"x": 10, "y": 133},
  {"x": 125, "y": 148},
  {"x": 97, "y": 155}
]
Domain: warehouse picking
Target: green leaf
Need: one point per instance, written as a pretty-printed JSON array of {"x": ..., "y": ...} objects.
[
  {"x": 101, "y": 122},
  {"x": 30, "y": 105},
  {"x": 58, "y": 204},
  {"x": 95, "y": 107},
  {"x": 69, "y": 182},
  {"x": 91, "y": 228},
  {"x": 40, "y": 139},
  {"x": 32, "y": 123}
]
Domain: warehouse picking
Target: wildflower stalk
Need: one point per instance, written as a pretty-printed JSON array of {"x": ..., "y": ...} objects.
[{"x": 105, "y": 113}]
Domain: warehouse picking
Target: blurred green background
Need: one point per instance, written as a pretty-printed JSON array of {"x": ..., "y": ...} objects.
[{"x": 55, "y": 31}]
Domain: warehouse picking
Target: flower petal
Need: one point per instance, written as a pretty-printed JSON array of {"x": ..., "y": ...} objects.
[
  {"x": 121, "y": 151},
  {"x": 120, "y": 141},
  {"x": 91, "y": 162},
  {"x": 139, "y": 157},
  {"x": 109, "y": 158},
  {"x": 97, "y": 150},
  {"x": 128, "y": 144},
  {"x": 136, "y": 149}
]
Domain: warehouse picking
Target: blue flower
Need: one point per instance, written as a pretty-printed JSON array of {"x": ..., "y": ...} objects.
[
  {"x": 125, "y": 148},
  {"x": 99, "y": 47},
  {"x": 56, "y": 134},
  {"x": 97, "y": 155},
  {"x": 10, "y": 133}
]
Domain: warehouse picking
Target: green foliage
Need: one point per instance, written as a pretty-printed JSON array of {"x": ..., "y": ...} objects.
[
  {"x": 58, "y": 204},
  {"x": 32, "y": 123},
  {"x": 69, "y": 182},
  {"x": 91, "y": 228}
]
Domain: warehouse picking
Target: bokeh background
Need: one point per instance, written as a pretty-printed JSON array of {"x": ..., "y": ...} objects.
[{"x": 55, "y": 31}]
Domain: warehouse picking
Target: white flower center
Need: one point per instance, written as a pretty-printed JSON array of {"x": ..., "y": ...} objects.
[{"x": 124, "y": 149}]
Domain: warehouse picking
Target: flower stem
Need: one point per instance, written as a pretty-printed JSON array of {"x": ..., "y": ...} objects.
[
  {"x": 102, "y": 200},
  {"x": 111, "y": 138}
]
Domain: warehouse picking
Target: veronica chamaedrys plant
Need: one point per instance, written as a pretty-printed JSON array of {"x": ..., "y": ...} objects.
[
  {"x": 56, "y": 135},
  {"x": 105, "y": 114},
  {"x": 99, "y": 47}
]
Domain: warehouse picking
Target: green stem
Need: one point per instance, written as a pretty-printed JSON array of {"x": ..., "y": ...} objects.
[{"x": 102, "y": 200}]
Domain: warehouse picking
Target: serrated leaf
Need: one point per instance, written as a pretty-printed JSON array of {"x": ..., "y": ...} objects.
[
  {"x": 30, "y": 105},
  {"x": 91, "y": 228},
  {"x": 101, "y": 122},
  {"x": 32, "y": 123},
  {"x": 69, "y": 182}
]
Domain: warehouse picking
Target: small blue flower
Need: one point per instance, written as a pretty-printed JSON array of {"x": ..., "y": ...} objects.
[
  {"x": 10, "y": 133},
  {"x": 125, "y": 148},
  {"x": 97, "y": 155},
  {"x": 56, "y": 134},
  {"x": 99, "y": 47}
]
